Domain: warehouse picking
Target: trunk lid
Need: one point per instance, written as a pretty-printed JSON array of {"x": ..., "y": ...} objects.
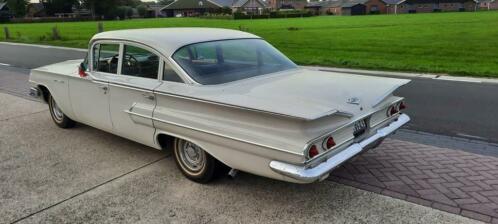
[{"x": 302, "y": 93}]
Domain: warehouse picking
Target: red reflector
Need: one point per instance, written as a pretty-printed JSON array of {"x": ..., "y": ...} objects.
[
  {"x": 313, "y": 151},
  {"x": 330, "y": 143},
  {"x": 81, "y": 72},
  {"x": 402, "y": 106},
  {"x": 393, "y": 111}
]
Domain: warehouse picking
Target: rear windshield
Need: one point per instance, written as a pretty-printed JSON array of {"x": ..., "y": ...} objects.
[{"x": 225, "y": 61}]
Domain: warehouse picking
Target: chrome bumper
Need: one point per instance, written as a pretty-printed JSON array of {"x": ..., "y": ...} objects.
[{"x": 308, "y": 175}]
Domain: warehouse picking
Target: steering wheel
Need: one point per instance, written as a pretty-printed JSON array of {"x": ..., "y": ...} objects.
[{"x": 132, "y": 64}]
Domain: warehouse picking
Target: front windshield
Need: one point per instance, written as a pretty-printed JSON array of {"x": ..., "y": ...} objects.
[{"x": 224, "y": 61}]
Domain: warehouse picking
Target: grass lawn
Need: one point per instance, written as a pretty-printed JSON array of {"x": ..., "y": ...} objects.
[{"x": 463, "y": 43}]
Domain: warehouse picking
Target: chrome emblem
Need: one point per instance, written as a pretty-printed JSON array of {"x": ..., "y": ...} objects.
[{"x": 354, "y": 100}]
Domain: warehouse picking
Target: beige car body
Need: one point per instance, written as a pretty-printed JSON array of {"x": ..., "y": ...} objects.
[{"x": 262, "y": 125}]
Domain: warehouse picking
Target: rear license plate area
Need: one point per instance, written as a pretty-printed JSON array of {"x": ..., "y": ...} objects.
[{"x": 360, "y": 127}]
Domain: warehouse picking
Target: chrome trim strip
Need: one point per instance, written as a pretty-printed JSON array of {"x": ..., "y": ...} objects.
[
  {"x": 122, "y": 85},
  {"x": 308, "y": 175},
  {"x": 244, "y": 108},
  {"x": 137, "y": 114},
  {"x": 219, "y": 135}
]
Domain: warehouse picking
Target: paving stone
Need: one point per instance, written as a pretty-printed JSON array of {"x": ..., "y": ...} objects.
[
  {"x": 477, "y": 216},
  {"x": 450, "y": 180},
  {"x": 446, "y": 208}
]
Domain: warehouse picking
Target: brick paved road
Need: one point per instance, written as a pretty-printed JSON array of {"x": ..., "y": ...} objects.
[{"x": 451, "y": 180}]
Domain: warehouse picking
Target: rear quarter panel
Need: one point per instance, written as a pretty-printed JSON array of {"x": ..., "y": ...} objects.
[{"x": 55, "y": 79}]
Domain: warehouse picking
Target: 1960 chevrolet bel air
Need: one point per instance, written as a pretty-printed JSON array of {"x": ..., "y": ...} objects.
[{"x": 221, "y": 98}]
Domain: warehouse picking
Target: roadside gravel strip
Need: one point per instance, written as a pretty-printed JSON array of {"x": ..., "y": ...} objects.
[{"x": 52, "y": 175}]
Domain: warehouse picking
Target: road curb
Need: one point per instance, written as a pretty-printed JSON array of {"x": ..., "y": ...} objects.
[
  {"x": 406, "y": 74},
  {"x": 44, "y": 46}
]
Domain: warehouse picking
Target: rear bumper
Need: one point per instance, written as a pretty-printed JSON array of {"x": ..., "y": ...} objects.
[{"x": 309, "y": 175}]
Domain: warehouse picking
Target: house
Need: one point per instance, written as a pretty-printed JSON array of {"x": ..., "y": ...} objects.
[
  {"x": 155, "y": 11},
  {"x": 249, "y": 6},
  {"x": 287, "y": 4},
  {"x": 200, "y": 7},
  {"x": 362, "y": 7},
  {"x": 488, "y": 5},
  {"x": 36, "y": 10},
  {"x": 348, "y": 7},
  {"x": 424, "y": 6}
]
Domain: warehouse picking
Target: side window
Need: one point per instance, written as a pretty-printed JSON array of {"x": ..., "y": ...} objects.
[
  {"x": 105, "y": 58},
  {"x": 139, "y": 62},
  {"x": 170, "y": 75}
]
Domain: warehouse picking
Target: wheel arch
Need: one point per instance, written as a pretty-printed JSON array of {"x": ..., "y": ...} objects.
[
  {"x": 165, "y": 140},
  {"x": 45, "y": 92}
]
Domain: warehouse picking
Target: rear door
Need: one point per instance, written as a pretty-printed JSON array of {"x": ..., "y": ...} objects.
[{"x": 132, "y": 101}]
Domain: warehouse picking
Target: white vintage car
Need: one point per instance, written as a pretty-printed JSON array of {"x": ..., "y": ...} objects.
[{"x": 221, "y": 98}]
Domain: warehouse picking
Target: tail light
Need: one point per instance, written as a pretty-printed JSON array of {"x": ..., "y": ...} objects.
[
  {"x": 313, "y": 151},
  {"x": 392, "y": 110},
  {"x": 402, "y": 106},
  {"x": 329, "y": 143}
]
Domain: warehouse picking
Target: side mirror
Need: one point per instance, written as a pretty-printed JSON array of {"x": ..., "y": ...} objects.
[{"x": 82, "y": 70}]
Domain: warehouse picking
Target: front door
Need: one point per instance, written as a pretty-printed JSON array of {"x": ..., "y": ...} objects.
[
  {"x": 132, "y": 101},
  {"x": 90, "y": 95}
]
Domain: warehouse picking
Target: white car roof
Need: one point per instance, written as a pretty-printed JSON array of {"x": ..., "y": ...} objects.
[{"x": 168, "y": 40}]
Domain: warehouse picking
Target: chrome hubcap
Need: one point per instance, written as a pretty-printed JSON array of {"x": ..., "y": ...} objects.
[
  {"x": 192, "y": 156},
  {"x": 56, "y": 111}
]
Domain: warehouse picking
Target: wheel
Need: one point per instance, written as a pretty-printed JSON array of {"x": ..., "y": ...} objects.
[
  {"x": 58, "y": 116},
  {"x": 193, "y": 161}
]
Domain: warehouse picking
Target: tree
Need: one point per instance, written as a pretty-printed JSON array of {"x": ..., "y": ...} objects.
[
  {"x": 142, "y": 10},
  {"x": 110, "y": 8},
  {"x": 165, "y": 2},
  {"x": 106, "y": 8},
  {"x": 59, "y": 6},
  {"x": 18, "y": 7},
  {"x": 123, "y": 11}
]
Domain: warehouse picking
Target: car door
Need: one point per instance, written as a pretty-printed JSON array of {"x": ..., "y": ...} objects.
[
  {"x": 90, "y": 95},
  {"x": 132, "y": 101}
]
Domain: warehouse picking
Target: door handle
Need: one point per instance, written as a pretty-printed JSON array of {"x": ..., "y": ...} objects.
[
  {"x": 103, "y": 87},
  {"x": 148, "y": 96}
]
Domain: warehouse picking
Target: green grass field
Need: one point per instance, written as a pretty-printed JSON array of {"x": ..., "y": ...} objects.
[{"x": 454, "y": 43}]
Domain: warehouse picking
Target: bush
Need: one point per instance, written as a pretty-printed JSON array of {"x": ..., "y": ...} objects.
[
  {"x": 216, "y": 16},
  {"x": 275, "y": 14},
  {"x": 123, "y": 12},
  {"x": 142, "y": 10}
]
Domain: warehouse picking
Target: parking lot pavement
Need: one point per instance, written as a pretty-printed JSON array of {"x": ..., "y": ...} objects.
[
  {"x": 451, "y": 180},
  {"x": 54, "y": 175}
]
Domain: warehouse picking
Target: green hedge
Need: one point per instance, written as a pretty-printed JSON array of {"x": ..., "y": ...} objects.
[{"x": 283, "y": 14}]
